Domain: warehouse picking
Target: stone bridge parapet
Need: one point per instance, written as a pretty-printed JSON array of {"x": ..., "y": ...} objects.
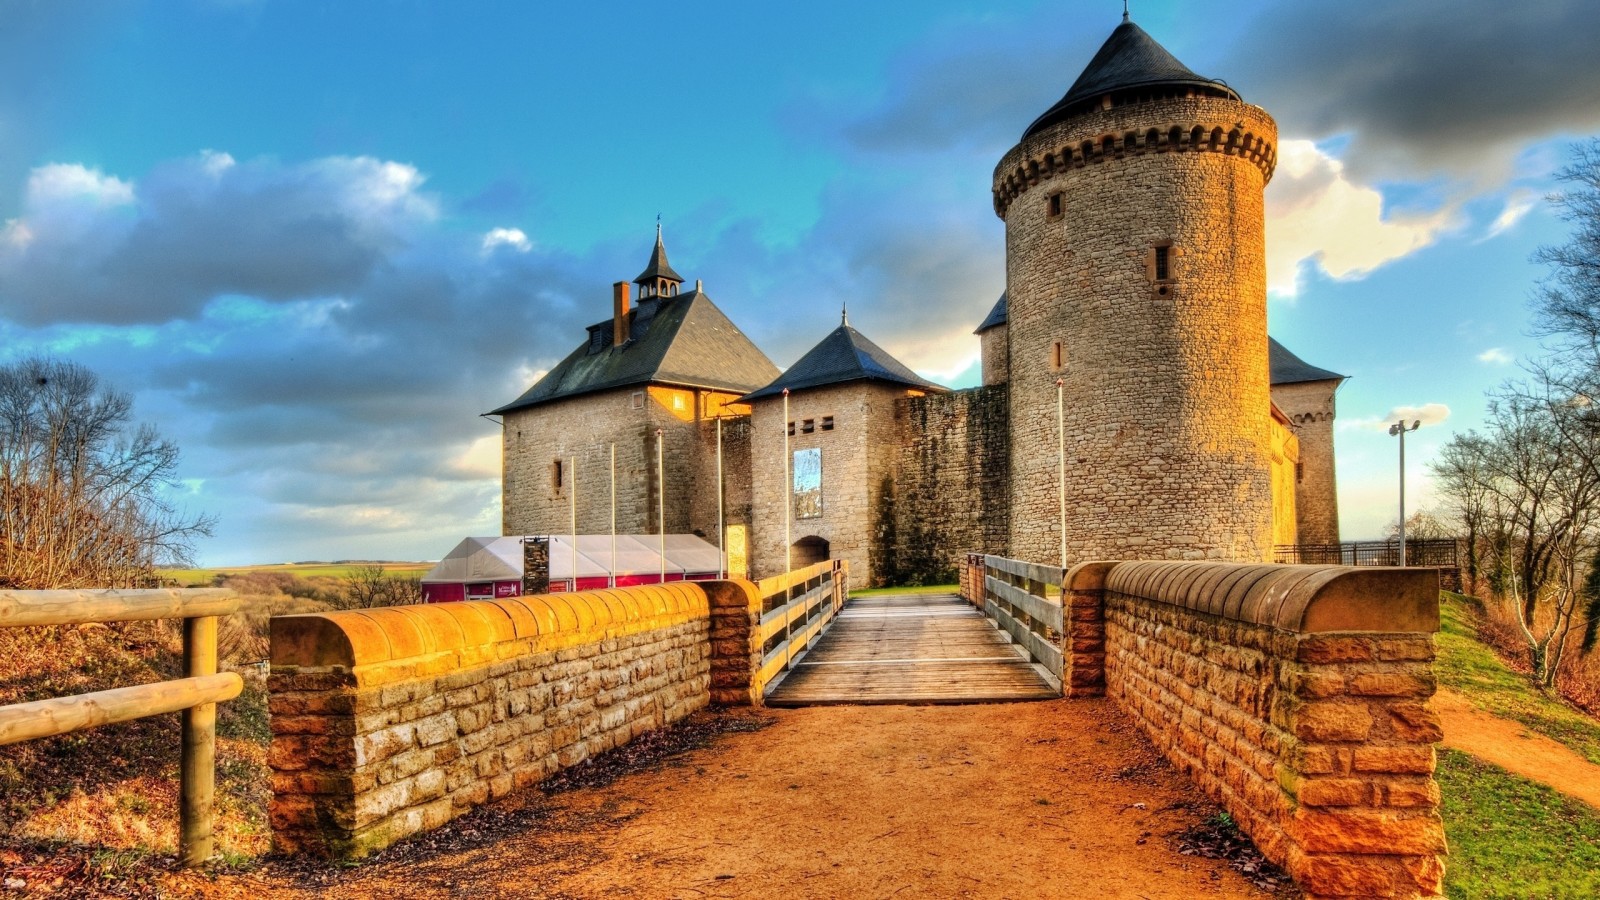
[
  {"x": 1295, "y": 696},
  {"x": 388, "y": 722}
]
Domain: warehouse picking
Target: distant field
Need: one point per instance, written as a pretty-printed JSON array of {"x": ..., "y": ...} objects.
[{"x": 302, "y": 570}]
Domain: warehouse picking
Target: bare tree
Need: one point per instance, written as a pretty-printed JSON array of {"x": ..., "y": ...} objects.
[
  {"x": 371, "y": 585},
  {"x": 83, "y": 498}
]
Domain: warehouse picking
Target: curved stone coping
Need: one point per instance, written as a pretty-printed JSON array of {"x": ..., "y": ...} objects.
[
  {"x": 1299, "y": 599},
  {"x": 372, "y": 637}
]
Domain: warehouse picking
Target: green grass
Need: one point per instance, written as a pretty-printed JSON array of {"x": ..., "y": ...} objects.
[
  {"x": 1513, "y": 838},
  {"x": 902, "y": 591},
  {"x": 204, "y": 577},
  {"x": 1474, "y": 670}
]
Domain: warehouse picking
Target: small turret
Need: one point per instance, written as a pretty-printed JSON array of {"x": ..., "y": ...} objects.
[{"x": 658, "y": 279}]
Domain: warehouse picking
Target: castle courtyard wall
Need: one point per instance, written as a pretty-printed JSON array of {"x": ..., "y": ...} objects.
[{"x": 1310, "y": 407}]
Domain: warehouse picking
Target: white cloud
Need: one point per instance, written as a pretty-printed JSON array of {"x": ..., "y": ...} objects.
[
  {"x": 1518, "y": 205},
  {"x": 1428, "y": 414},
  {"x": 506, "y": 237},
  {"x": 73, "y": 183},
  {"x": 1316, "y": 215},
  {"x": 1496, "y": 356},
  {"x": 480, "y": 459}
]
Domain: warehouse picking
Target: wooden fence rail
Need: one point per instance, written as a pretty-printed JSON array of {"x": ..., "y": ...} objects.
[
  {"x": 1016, "y": 597},
  {"x": 797, "y": 607},
  {"x": 195, "y": 695}
]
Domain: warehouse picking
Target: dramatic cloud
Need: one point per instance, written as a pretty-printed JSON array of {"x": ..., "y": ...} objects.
[
  {"x": 1316, "y": 214},
  {"x": 317, "y": 339},
  {"x": 1425, "y": 85}
]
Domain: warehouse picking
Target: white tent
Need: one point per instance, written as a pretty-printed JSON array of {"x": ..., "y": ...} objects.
[{"x": 635, "y": 558}]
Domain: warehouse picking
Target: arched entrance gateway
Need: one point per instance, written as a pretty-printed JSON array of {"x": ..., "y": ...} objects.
[{"x": 808, "y": 551}]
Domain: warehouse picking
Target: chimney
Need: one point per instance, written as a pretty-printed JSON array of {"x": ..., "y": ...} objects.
[{"x": 619, "y": 314}]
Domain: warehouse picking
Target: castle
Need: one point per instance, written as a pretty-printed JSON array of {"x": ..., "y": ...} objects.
[{"x": 1132, "y": 407}]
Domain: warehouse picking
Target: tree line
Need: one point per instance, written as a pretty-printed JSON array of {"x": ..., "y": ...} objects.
[{"x": 1525, "y": 489}]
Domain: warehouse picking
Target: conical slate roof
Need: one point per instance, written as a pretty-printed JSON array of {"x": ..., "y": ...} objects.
[
  {"x": 682, "y": 340},
  {"x": 997, "y": 315},
  {"x": 1130, "y": 58},
  {"x": 658, "y": 267},
  {"x": 844, "y": 355},
  {"x": 1290, "y": 369}
]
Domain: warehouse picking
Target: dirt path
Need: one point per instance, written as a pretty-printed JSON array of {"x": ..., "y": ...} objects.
[
  {"x": 1511, "y": 746},
  {"x": 1049, "y": 799}
]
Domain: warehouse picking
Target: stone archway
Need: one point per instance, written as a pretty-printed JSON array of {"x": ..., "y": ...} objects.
[{"x": 808, "y": 551}]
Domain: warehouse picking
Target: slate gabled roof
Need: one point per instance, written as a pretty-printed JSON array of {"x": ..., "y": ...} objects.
[
  {"x": 996, "y": 316},
  {"x": 1129, "y": 58},
  {"x": 683, "y": 340},
  {"x": 1290, "y": 369},
  {"x": 658, "y": 266},
  {"x": 844, "y": 355}
]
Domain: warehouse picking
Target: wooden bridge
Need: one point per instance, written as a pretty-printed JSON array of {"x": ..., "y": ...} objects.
[{"x": 913, "y": 648}]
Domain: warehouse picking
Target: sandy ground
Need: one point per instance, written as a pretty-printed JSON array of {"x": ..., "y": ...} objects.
[
  {"x": 1511, "y": 746},
  {"x": 1025, "y": 800}
]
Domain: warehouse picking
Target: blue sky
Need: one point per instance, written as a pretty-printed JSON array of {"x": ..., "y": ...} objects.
[{"x": 315, "y": 240}]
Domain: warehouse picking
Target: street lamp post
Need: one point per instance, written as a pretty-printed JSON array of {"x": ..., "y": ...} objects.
[{"x": 1399, "y": 429}]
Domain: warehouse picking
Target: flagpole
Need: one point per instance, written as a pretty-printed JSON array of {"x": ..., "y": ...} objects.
[
  {"x": 788, "y": 496},
  {"x": 613, "y": 514},
  {"x": 722, "y": 551},
  {"x": 572, "y": 463},
  {"x": 661, "y": 502}
]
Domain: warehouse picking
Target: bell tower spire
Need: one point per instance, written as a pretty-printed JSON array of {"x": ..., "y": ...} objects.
[{"x": 658, "y": 278}]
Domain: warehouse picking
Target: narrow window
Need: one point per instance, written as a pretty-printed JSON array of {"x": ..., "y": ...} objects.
[
  {"x": 1055, "y": 205},
  {"x": 808, "y": 426},
  {"x": 1058, "y": 356},
  {"x": 637, "y": 400},
  {"x": 556, "y": 479},
  {"x": 827, "y": 423},
  {"x": 1299, "y": 472},
  {"x": 791, "y": 429},
  {"x": 1163, "y": 263}
]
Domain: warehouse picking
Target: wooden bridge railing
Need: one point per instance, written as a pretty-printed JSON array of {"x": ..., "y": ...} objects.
[
  {"x": 1016, "y": 597},
  {"x": 796, "y": 607},
  {"x": 196, "y": 695}
]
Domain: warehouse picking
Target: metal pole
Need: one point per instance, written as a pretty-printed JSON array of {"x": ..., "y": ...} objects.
[
  {"x": 197, "y": 760},
  {"x": 572, "y": 463},
  {"x": 613, "y": 514},
  {"x": 1061, "y": 463},
  {"x": 1402, "y": 495},
  {"x": 661, "y": 501},
  {"x": 722, "y": 551},
  {"x": 788, "y": 489}
]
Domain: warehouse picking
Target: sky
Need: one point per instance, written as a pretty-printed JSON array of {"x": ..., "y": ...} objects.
[{"x": 316, "y": 241}]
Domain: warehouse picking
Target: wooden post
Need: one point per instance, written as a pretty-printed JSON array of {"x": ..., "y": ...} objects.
[{"x": 197, "y": 766}]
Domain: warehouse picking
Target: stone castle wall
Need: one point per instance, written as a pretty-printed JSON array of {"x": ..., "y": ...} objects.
[
  {"x": 951, "y": 484},
  {"x": 858, "y": 457},
  {"x": 1295, "y": 696},
  {"x": 393, "y": 721},
  {"x": 996, "y": 354},
  {"x": 585, "y": 427},
  {"x": 1310, "y": 407},
  {"x": 1166, "y": 383}
]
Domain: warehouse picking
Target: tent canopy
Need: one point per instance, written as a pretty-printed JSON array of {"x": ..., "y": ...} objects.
[{"x": 500, "y": 558}]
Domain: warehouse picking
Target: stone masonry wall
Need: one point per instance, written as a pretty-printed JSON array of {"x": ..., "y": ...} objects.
[
  {"x": 702, "y": 494},
  {"x": 996, "y": 354},
  {"x": 1296, "y": 697},
  {"x": 388, "y": 722},
  {"x": 1310, "y": 407},
  {"x": 1166, "y": 383},
  {"x": 950, "y": 485},
  {"x": 858, "y": 457}
]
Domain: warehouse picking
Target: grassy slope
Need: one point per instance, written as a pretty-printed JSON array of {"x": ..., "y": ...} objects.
[
  {"x": 1510, "y": 837},
  {"x": 204, "y": 577},
  {"x": 1476, "y": 671}
]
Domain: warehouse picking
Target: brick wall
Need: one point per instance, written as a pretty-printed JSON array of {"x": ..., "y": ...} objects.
[
  {"x": 951, "y": 484},
  {"x": 389, "y": 722},
  {"x": 1295, "y": 696}
]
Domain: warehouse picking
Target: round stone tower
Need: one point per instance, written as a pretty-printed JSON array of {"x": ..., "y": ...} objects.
[{"x": 1136, "y": 275}]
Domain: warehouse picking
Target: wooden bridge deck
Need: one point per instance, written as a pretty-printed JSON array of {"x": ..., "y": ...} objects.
[{"x": 928, "y": 648}]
